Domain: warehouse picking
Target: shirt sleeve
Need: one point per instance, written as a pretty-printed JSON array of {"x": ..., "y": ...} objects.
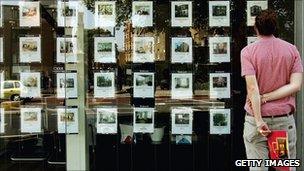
[
  {"x": 246, "y": 64},
  {"x": 297, "y": 65}
]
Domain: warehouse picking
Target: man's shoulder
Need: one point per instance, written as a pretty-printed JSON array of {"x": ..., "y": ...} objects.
[
  {"x": 248, "y": 47},
  {"x": 284, "y": 43}
]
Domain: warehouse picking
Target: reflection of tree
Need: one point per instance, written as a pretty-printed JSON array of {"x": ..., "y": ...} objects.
[{"x": 285, "y": 13}]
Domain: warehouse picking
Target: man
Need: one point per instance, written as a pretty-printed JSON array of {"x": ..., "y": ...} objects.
[{"x": 273, "y": 72}]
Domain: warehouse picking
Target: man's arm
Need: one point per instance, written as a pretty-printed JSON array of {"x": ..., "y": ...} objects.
[
  {"x": 254, "y": 97},
  {"x": 287, "y": 90}
]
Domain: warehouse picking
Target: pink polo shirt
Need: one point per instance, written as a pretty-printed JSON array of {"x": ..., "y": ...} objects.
[{"x": 272, "y": 61}]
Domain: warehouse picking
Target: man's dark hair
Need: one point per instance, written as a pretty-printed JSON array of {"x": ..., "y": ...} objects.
[{"x": 266, "y": 22}]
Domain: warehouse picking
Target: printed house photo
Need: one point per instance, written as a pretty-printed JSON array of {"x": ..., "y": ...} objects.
[
  {"x": 219, "y": 10},
  {"x": 62, "y": 83},
  {"x": 105, "y": 9},
  {"x": 282, "y": 148},
  {"x": 30, "y": 81},
  {"x": 182, "y": 82},
  {"x": 69, "y": 82},
  {"x": 182, "y": 118},
  {"x": 29, "y": 11},
  {"x": 68, "y": 12},
  {"x": 66, "y": 47},
  {"x": 142, "y": 9},
  {"x": 144, "y": 80},
  {"x": 220, "y": 119},
  {"x": 104, "y": 47},
  {"x": 183, "y": 139},
  {"x": 182, "y": 11},
  {"x": 106, "y": 117},
  {"x": 255, "y": 10},
  {"x": 29, "y": 46},
  {"x": 143, "y": 47},
  {"x": 220, "y": 48},
  {"x": 143, "y": 117},
  {"x": 30, "y": 116},
  {"x": 67, "y": 117},
  {"x": 219, "y": 82},
  {"x": 181, "y": 47},
  {"x": 104, "y": 81}
]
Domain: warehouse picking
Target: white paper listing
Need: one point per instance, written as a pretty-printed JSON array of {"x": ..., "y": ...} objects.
[
  {"x": 104, "y": 50},
  {"x": 181, "y": 50},
  {"x": 30, "y": 49},
  {"x": 143, "y": 83},
  {"x": 181, "y": 86},
  {"x": 143, "y": 120},
  {"x": 253, "y": 9},
  {"x": 181, "y": 120},
  {"x": 219, "y": 13},
  {"x": 219, "y": 121},
  {"x": 29, "y": 14},
  {"x": 104, "y": 85},
  {"x": 181, "y": 13},
  {"x": 219, "y": 85},
  {"x": 142, "y": 14},
  {"x": 30, "y": 84},
  {"x": 219, "y": 49},
  {"x": 67, "y": 85},
  {"x": 105, "y": 14},
  {"x": 30, "y": 120},
  {"x": 67, "y": 13},
  {"x": 106, "y": 120},
  {"x": 67, "y": 120}
]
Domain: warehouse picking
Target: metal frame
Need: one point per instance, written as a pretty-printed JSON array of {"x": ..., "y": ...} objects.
[
  {"x": 77, "y": 149},
  {"x": 299, "y": 42}
]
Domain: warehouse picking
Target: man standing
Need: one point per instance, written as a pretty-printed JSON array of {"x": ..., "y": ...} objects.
[{"x": 273, "y": 72}]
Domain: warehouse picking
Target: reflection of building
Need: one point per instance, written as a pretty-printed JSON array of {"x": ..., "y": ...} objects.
[{"x": 128, "y": 42}]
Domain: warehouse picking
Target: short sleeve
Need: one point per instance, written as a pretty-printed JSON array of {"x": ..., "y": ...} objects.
[
  {"x": 297, "y": 66},
  {"x": 246, "y": 64}
]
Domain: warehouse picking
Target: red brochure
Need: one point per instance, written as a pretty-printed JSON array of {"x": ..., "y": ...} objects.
[{"x": 278, "y": 146}]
